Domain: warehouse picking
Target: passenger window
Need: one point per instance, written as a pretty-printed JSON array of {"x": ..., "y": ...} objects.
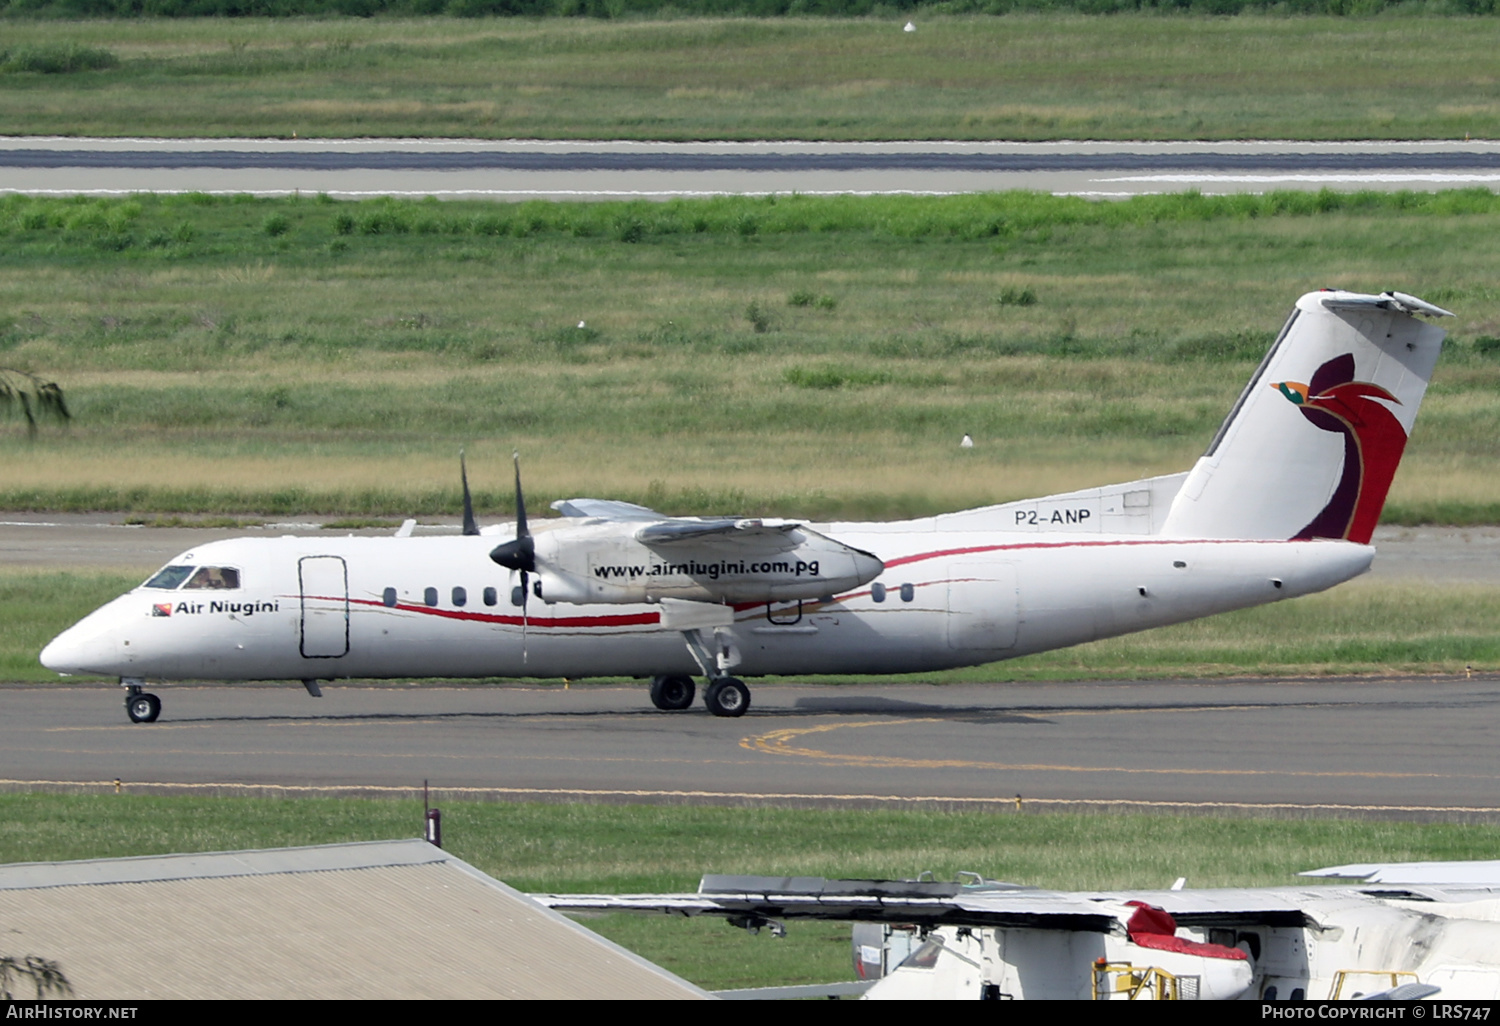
[
  {"x": 460, "y": 596},
  {"x": 215, "y": 578},
  {"x": 430, "y": 596},
  {"x": 877, "y": 592},
  {"x": 389, "y": 598},
  {"x": 169, "y": 577},
  {"x": 491, "y": 596},
  {"x": 908, "y": 592}
]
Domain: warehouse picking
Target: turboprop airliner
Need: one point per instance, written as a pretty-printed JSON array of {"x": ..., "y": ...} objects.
[{"x": 1282, "y": 504}]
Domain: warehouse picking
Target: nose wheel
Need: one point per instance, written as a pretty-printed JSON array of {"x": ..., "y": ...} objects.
[{"x": 142, "y": 706}]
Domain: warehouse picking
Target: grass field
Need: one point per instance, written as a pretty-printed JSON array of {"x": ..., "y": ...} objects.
[
  {"x": 1055, "y": 76},
  {"x": 635, "y": 849},
  {"x": 803, "y": 356}
]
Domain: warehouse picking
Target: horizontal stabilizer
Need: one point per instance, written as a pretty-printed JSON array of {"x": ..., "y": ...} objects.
[{"x": 1385, "y": 301}]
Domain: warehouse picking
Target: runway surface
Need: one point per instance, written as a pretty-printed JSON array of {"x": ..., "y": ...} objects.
[
  {"x": 520, "y": 169},
  {"x": 1414, "y": 748}
]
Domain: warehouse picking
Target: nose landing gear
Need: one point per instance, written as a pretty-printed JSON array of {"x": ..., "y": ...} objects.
[{"x": 140, "y": 706}]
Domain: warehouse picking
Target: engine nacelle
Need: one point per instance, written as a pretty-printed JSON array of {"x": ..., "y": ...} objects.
[{"x": 607, "y": 562}]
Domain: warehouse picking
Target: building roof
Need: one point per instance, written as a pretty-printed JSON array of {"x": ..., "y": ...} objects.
[{"x": 382, "y": 919}]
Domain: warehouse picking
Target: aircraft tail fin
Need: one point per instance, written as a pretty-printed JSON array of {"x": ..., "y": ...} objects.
[{"x": 1310, "y": 448}]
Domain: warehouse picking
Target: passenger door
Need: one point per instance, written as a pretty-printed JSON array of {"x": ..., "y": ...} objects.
[{"x": 324, "y": 589}]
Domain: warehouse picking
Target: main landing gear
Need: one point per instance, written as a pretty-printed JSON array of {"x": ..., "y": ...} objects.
[
  {"x": 726, "y": 696},
  {"x": 140, "y": 706},
  {"x": 708, "y": 630}
]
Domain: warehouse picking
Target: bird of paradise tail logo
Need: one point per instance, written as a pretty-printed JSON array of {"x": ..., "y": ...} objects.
[{"x": 1373, "y": 443}]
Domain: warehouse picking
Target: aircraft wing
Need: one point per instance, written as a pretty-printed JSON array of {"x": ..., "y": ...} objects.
[
  {"x": 605, "y": 509},
  {"x": 1476, "y": 875},
  {"x": 757, "y": 899},
  {"x": 668, "y": 532},
  {"x": 665, "y": 530}
]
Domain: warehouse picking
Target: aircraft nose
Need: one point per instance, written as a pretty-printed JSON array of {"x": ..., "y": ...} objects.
[
  {"x": 86, "y": 647},
  {"x": 67, "y": 653},
  {"x": 61, "y": 654}
]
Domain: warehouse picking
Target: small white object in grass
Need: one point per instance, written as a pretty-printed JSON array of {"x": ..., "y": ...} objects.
[
  {"x": 581, "y": 324},
  {"x": 910, "y": 27},
  {"x": 967, "y": 443}
]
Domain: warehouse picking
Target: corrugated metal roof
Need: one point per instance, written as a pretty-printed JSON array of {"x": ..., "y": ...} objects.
[{"x": 386, "y": 920}]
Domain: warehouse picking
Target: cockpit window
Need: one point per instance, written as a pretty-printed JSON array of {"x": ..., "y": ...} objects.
[
  {"x": 216, "y": 578},
  {"x": 169, "y": 577}
]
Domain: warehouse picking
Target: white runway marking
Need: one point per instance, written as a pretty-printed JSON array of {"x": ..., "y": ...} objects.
[
  {"x": 1383, "y": 178},
  {"x": 509, "y": 193}
]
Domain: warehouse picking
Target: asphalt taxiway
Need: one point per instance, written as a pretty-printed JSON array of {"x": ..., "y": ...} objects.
[{"x": 1405, "y": 748}]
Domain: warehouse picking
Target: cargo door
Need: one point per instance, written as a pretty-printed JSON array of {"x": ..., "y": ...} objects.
[{"x": 324, "y": 584}]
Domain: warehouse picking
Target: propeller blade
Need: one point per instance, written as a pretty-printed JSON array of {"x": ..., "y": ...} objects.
[
  {"x": 520, "y": 552},
  {"x": 521, "y": 531},
  {"x": 525, "y": 587},
  {"x": 470, "y": 527}
]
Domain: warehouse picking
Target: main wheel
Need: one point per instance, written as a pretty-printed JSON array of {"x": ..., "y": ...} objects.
[
  {"x": 727, "y": 696},
  {"x": 143, "y": 708},
  {"x": 672, "y": 692}
]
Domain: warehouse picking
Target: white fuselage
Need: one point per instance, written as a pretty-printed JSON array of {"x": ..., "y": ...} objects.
[{"x": 328, "y": 607}]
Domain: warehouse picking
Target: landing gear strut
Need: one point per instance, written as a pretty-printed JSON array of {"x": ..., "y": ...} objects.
[
  {"x": 140, "y": 706},
  {"x": 726, "y": 695},
  {"x": 708, "y": 630}
]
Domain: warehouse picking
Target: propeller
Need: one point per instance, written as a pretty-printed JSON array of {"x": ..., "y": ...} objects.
[
  {"x": 470, "y": 526},
  {"x": 519, "y": 554}
]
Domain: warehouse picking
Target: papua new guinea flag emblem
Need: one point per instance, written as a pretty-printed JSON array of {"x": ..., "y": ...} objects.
[{"x": 162, "y": 609}]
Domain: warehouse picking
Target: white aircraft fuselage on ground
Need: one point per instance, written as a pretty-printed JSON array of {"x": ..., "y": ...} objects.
[{"x": 1281, "y": 505}]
